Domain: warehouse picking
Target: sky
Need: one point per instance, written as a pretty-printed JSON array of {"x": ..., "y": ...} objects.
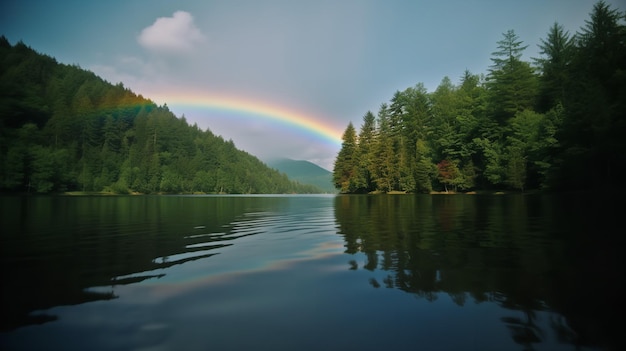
[{"x": 281, "y": 78}]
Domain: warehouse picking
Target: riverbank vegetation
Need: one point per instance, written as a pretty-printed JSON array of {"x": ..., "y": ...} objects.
[
  {"x": 62, "y": 128},
  {"x": 556, "y": 122}
]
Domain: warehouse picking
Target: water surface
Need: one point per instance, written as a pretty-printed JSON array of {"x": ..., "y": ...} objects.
[{"x": 432, "y": 272}]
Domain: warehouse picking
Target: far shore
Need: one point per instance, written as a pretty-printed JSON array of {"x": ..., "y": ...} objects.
[{"x": 134, "y": 193}]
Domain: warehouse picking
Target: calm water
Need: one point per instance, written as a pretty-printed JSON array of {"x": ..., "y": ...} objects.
[{"x": 441, "y": 272}]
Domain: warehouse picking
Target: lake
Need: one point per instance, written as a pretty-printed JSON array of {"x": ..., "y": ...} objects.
[{"x": 291, "y": 272}]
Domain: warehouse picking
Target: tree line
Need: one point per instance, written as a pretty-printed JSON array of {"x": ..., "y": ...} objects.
[
  {"x": 557, "y": 122},
  {"x": 62, "y": 128}
]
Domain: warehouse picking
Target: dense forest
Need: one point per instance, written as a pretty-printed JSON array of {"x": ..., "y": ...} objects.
[
  {"x": 558, "y": 122},
  {"x": 62, "y": 128}
]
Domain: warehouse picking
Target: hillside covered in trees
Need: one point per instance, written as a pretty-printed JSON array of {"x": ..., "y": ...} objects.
[
  {"x": 305, "y": 172},
  {"x": 558, "y": 122},
  {"x": 62, "y": 128}
]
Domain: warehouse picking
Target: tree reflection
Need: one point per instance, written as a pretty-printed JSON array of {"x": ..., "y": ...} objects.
[
  {"x": 522, "y": 252},
  {"x": 374, "y": 283},
  {"x": 54, "y": 249},
  {"x": 524, "y": 331}
]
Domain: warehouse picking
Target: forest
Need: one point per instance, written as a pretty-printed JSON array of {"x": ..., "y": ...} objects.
[
  {"x": 62, "y": 128},
  {"x": 557, "y": 122}
]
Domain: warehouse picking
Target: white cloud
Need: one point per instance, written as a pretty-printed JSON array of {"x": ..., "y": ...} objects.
[{"x": 171, "y": 34}]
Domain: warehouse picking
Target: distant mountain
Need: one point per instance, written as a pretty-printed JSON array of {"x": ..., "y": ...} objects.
[{"x": 305, "y": 172}]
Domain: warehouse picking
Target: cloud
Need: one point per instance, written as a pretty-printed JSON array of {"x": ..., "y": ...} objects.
[
  {"x": 133, "y": 72},
  {"x": 171, "y": 34}
]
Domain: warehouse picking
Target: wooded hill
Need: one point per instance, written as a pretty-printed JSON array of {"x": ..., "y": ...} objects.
[
  {"x": 558, "y": 122},
  {"x": 62, "y": 128},
  {"x": 305, "y": 172}
]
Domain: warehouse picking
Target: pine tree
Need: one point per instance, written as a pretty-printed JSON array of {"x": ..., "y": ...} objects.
[
  {"x": 512, "y": 83},
  {"x": 346, "y": 165},
  {"x": 385, "y": 169},
  {"x": 595, "y": 120},
  {"x": 365, "y": 153},
  {"x": 446, "y": 136},
  {"x": 557, "y": 53}
]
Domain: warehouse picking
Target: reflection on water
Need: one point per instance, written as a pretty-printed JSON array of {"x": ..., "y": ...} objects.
[
  {"x": 525, "y": 253},
  {"x": 310, "y": 272},
  {"x": 55, "y": 248}
]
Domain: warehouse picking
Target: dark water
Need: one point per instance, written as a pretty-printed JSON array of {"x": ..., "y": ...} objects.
[{"x": 441, "y": 272}]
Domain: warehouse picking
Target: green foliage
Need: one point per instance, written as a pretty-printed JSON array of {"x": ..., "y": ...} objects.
[
  {"x": 305, "y": 172},
  {"x": 365, "y": 153},
  {"x": 449, "y": 173},
  {"x": 592, "y": 134},
  {"x": 346, "y": 171},
  {"x": 511, "y": 82},
  {"x": 63, "y": 128},
  {"x": 516, "y": 167},
  {"x": 47, "y": 169},
  {"x": 559, "y": 125},
  {"x": 557, "y": 51},
  {"x": 384, "y": 169},
  {"x": 492, "y": 156}
]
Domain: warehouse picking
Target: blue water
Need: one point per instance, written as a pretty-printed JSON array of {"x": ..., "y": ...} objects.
[{"x": 299, "y": 273}]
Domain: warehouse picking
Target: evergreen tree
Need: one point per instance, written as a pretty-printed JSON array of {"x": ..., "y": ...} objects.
[
  {"x": 365, "y": 153},
  {"x": 594, "y": 124},
  {"x": 471, "y": 111},
  {"x": 385, "y": 169},
  {"x": 412, "y": 108},
  {"x": 426, "y": 170},
  {"x": 446, "y": 134},
  {"x": 346, "y": 169},
  {"x": 512, "y": 83},
  {"x": 557, "y": 53}
]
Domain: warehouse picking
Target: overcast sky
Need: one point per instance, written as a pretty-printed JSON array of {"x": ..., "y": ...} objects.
[{"x": 330, "y": 61}]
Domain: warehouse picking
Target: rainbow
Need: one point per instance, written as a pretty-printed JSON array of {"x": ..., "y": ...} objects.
[{"x": 255, "y": 109}]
